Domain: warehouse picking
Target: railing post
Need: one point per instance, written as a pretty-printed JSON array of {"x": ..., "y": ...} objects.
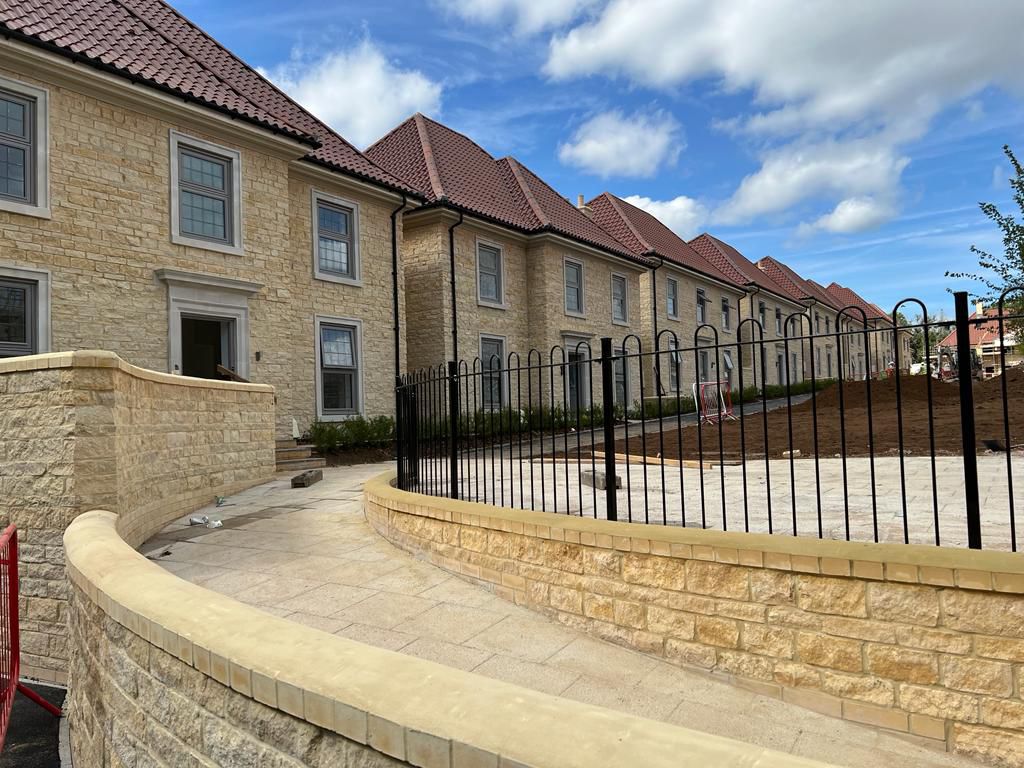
[
  {"x": 608, "y": 421},
  {"x": 453, "y": 428},
  {"x": 400, "y": 452},
  {"x": 965, "y": 377}
]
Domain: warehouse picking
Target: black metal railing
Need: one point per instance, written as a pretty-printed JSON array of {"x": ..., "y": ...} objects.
[{"x": 835, "y": 435}]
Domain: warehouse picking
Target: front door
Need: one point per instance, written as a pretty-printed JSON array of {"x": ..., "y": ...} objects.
[
  {"x": 206, "y": 342},
  {"x": 577, "y": 374}
]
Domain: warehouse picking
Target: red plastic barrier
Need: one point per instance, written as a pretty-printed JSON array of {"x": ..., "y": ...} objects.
[{"x": 10, "y": 647}]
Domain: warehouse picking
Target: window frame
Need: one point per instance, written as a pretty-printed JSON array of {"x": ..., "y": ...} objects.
[
  {"x": 355, "y": 262},
  {"x": 233, "y": 180},
  {"x": 582, "y": 311},
  {"x": 702, "y": 307},
  {"x": 500, "y": 276},
  {"x": 624, "y": 320},
  {"x": 726, "y": 307},
  {"x": 40, "y": 321},
  {"x": 672, "y": 298},
  {"x": 762, "y": 313},
  {"x": 356, "y": 326},
  {"x": 37, "y": 146},
  {"x": 778, "y": 321},
  {"x": 502, "y": 372}
]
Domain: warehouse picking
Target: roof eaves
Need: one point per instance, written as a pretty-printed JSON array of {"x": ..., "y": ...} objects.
[{"x": 400, "y": 186}]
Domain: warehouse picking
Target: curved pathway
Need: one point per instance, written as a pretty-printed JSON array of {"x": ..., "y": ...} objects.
[{"x": 308, "y": 554}]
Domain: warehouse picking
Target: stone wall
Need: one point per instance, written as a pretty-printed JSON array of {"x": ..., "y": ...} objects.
[
  {"x": 80, "y": 430},
  {"x": 164, "y": 671},
  {"x": 922, "y": 640}
]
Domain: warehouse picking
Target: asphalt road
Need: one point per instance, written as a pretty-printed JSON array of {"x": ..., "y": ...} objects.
[{"x": 32, "y": 736}]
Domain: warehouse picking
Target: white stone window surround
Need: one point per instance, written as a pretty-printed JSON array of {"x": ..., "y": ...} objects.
[
  {"x": 624, "y": 320},
  {"x": 41, "y": 278},
  {"x": 357, "y": 325},
  {"x": 566, "y": 261},
  {"x": 40, "y": 206},
  {"x": 503, "y": 374},
  {"x": 354, "y": 255},
  {"x": 672, "y": 298},
  {"x": 502, "y": 283},
  {"x": 235, "y": 247},
  {"x": 194, "y": 294}
]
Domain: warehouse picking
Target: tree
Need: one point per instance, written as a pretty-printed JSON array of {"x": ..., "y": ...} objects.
[
  {"x": 1006, "y": 270},
  {"x": 935, "y": 335}
]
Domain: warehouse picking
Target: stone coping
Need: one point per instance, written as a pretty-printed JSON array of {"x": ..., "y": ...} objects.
[
  {"x": 98, "y": 358},
  {"x": 905, "y": 563},
  {"x": 416, "y": 711}
]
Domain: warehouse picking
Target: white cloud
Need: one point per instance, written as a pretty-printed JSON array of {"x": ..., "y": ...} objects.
[
  {"x": 614, "y": 144},
  {"x": 852, "y": 215},
  {"x": 860, "y": 74},
  {"x": 683, "y": 215},
  {"x": 526, "y": 16},
  {"x": 796, "y": 171},
  {"x": 358, "y": 92}
]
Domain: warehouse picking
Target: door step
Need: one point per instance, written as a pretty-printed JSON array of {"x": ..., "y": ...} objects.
[{"x": 295, "y": 465}]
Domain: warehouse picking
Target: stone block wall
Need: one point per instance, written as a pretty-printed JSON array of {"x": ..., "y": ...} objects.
[
  {"x": 166, "y": 672},
  {"x": 921, "y": 640},
  {"x": 84, "y": 430}
]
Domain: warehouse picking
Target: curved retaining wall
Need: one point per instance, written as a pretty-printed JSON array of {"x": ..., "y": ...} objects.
[
  {"x": 164, "y": 670},
  {"x": 86, "y": 430},
  {"x": 924, "y": 640}
]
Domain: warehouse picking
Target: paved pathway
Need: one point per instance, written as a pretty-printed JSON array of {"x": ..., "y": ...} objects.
[{"x": 308, "y": 555}]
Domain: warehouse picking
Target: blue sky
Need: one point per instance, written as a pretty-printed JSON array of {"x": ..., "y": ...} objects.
[{"x": 853, "y": 143}]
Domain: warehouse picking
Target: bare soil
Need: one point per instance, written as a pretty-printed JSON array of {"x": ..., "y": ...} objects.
[{"x": 819, "y": 424}]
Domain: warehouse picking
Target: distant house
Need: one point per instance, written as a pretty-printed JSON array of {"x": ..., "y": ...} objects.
[{"x": 991, "y": 347}]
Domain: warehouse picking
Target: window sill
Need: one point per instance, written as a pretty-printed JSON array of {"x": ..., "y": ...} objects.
[
  {"x": 26, "y": 209},
  {"x": 624, "y": 323},
  {"x": 339, "y": 416},
  {"x": 578, "y": 315},
  {"x": 207, "y": 245},
  {"x": 327, "y": 277},
  {"x": 674, "y": 318},
  {"x": 491, "y": 304}
]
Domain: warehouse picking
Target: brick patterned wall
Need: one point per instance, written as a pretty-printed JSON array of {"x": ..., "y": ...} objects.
[
  {"x": 922, "y": 640},
  {"x": 110, "y": 231},
  {"x": 83, "y": 430}
]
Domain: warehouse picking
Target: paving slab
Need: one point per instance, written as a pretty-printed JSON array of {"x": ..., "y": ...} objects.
[{"x": 307, "y": 554}]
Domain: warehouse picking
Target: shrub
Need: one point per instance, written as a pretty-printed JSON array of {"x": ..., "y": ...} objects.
[{"x": 330, "y": 436}]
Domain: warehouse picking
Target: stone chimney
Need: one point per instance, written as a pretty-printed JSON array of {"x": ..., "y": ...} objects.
[
  {"x": 587, "y": 210},
  {"x": 979, "y": 309}
]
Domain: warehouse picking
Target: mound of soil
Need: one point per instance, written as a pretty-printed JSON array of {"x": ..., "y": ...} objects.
[{"x": 820, "y": 424}]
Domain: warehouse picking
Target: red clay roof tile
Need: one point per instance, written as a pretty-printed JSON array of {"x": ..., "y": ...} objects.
[
  {"x": 846, "y": 297},
  {"x": 149, "y": 41},
  {"x": 645, "y": 235},
  {"x": 448, "y": 167},
  {"x": 734, "y": 264}
]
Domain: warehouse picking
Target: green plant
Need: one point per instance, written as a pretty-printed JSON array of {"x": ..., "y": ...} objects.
[{"x": 355, "y": 432}]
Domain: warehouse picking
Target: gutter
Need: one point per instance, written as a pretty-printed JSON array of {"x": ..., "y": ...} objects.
[
  {"x": 394, "y": 285},
  {"x": 451, "y": 267},
  {"x": 654, "y": 314}
]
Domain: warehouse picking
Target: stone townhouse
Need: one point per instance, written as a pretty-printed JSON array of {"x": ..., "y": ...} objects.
[
  {"x": 873, "y": 352},
  {"x": 529, "y": 271},
  {"x": 766, "y": 302},
  {"x": 822, "y": 322},
  {"x": 160, "y": 199},
  {"x": 687, "y": 303}
]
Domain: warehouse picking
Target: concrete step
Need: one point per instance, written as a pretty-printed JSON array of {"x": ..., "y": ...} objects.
[
  {"x": 294, "y": 452},
  {"x": 297, "y": 465},
  {"x": 286, "y": 442}
]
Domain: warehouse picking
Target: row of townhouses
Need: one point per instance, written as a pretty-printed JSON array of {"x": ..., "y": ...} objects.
[{"x": 161, "y": 199}]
